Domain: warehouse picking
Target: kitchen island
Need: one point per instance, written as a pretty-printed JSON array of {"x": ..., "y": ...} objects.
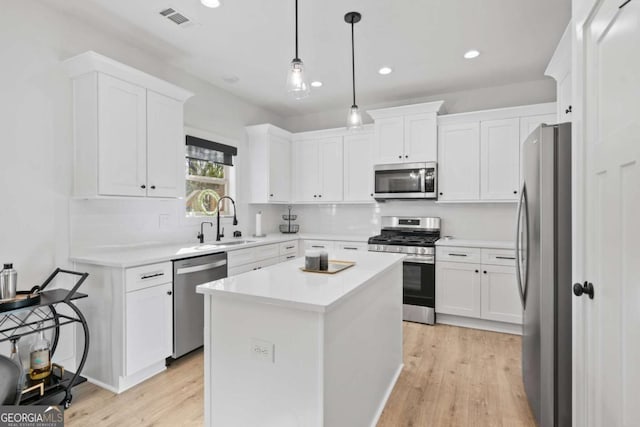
[{"x": 285, "y": 347}]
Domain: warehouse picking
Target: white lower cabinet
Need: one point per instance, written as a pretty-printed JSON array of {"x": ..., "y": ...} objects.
[
  {"x": 149, "y": 327},
  {"x": 458, "y": 288},
  {"x": 469, "y": 287},
  {"x": 500, "y": 299}
]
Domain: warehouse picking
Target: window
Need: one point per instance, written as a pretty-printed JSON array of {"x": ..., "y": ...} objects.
[
  {"x": 206, "y": 183},
  {"x": 209, "y": 174}
]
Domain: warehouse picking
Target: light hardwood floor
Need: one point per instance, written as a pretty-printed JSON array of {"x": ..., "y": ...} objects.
[{"x": 452, "y": 377}]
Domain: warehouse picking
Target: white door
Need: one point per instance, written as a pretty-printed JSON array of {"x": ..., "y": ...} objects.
[
  {"x": 331, "y": 169},
  {"x": 458, "y": 161},
  {"x": 420, "y": 138},
  {"x": 307, "y": 171},
  {"x": 122, "y": 138},
  {"x": 389, "y": 140},
  {"x": 279, "y": 169},
  {"x": 149, "y": 327},
  {"x": 358, "y": 168},
  {"x": 458, "y": 288},
  {"x": 527, "y": 125},
  {"x": 611, "y": 126},
  {"x": 500, "y": 159},
  {"x": 500, "y": 298},
  {"x": 165, "y": 146}
]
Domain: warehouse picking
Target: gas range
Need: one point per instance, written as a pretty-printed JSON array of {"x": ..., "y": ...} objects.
[
  {"x": 407, "y": 235},
  {"x": 415, "y": 237}
]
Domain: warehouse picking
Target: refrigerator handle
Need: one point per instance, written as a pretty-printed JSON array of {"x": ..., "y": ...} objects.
[
  {"x": 518, "y": 268},
  {"x": 525, "y": 206}
]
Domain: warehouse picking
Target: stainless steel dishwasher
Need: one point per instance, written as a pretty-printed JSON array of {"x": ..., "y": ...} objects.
[{"x": 188, "y": 306}]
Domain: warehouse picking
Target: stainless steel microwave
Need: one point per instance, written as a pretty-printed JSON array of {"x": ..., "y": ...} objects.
[{"x": 406, "y": 181}]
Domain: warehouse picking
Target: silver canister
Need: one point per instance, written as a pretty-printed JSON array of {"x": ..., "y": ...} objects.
[{"x": 8, "y": 282}]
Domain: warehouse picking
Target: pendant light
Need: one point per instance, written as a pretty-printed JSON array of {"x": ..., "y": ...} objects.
[
  {"x": 297, "y": 85},
  {"x": 354, "y": 119}
]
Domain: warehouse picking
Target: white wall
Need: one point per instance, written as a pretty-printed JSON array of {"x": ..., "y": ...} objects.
[{"x": 510, "y": 95}]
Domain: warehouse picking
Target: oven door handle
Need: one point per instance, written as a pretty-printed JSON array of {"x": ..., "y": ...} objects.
[
  {"x": 423, "y": 180},
  {"x": 420, "y": 260}
]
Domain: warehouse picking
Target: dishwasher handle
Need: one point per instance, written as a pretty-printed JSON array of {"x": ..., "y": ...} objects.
[{"x": 201, "y": 267}]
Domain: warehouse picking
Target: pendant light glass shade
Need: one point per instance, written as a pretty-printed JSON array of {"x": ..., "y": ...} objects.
[
  {"x": 354, "y": 119},
  {"x": 297, "y": 85}
]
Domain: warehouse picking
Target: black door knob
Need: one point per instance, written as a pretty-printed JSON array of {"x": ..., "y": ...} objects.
[
  {"x": 477, "y": 271},
  {"x": 270, "y": 195},
  {"x": 515, "y": 192},
  {"x": 169, "y": 293},
  {"x": 399, "y": 157},
  {"x": 406, "y": 156},
  {"x": 441, "y": 193},
  {"x": 586, "y": 288},
  {"x": 485, "y": 271},
  {"x": 143, "y": 186},
  {"x": 153, "y": 187}
]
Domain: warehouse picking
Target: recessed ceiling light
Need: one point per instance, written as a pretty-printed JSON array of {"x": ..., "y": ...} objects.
[
  {"x": 471, "y": 54},
  {"x": 210, "y": 3},
  {"x": 385, "y": 70},
  {"x": 316, "y": 83},
  {"x": 230, "y": 78}
]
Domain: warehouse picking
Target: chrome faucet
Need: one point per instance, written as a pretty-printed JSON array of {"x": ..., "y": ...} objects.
[
  {"x": 201, "y": 234},
  {"x": 235, "y": 220}
]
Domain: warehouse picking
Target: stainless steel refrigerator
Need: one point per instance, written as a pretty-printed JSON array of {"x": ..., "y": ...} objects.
[{"x": 543, "y": 267}]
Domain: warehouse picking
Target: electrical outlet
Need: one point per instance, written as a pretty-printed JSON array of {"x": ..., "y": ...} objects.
[
  {"x": 163, "y": 221},
  {"x": 263, "y": 351}
]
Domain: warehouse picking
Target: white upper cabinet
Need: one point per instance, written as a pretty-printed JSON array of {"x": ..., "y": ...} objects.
[
  {"x": 318, "y": 170},
  {"x": 358, "y": 167},
  {"x": 560, "y": 69},
  {"x": 421, "y": 138},
  {"x": 479, "y": 152},
  {"x": 128, "y": 130},
  {"x": 165, "y": 175},
  {"x": 499, "y": 159},
  {"x": 458, "y": 165},
  {"x": 122, "y": 137},
  {"x": 406, "y": 134},
  {"x": 269, "y": 165}
]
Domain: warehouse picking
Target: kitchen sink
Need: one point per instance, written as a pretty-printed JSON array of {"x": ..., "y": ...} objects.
[{"x": 208, "y": 246}]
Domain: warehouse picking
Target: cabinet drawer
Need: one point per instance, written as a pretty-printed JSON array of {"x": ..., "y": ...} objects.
[
  {"x": 289, "y": 257},
  {"x": 456, "y": 254},
  {"x": 352, "y": 246},
  {"x": 148, "y": 275},
  {"x": 267, "y": 251},
  {"x": 327, "y": 245},
  {"x": 289, "y": 248},
  {"x": 498, "y": 257},
  {"x": 241, "y": 257}
]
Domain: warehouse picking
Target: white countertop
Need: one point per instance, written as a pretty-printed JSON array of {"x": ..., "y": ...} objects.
[
  {"x": 131, "y": 256},
  {"x": 489, "y": 244},
  {"x": 285, "y": 284}
]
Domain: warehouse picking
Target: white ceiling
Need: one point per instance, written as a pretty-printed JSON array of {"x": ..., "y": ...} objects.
[{"x": 423, "y": 40}]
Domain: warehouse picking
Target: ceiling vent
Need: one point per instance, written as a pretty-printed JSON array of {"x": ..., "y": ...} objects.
[{"x": 176, "y": 17}]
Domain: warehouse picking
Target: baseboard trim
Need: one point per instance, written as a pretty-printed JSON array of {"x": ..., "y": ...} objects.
[
  {"x": 125, "y": 383},
  {"x": 487, "y": 325}
]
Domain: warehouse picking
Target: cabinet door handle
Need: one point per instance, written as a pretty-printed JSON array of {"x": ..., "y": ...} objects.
[
  {"x": 485, "y": 271},
  {"x": 291, "y": 256},
  {"x": 515, "y": 191},
  {"x": 441, "y": 193},
  {"x": 477, "y": 271},
  {"x": 317, "y": 246},
  {"x": 143, "y": 186},
  {"x": 153, "y": 187},
  {"x": 457, "y": 254},
  {"x": 319, "y": 195},
  {"x": 406, "y": 157},
  {"x": 350, "y": 248},
  {"x": 270, "y": 195},
  {"x": 400, "y": 157},
  {"x": 169, "y": 293},
  {"x": 151, "y": 275},
  {"x": 506, "y": 257},
  {"x": 289, "y": 247}
]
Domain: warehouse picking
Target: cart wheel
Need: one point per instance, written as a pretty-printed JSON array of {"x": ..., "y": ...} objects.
[{"x": 66, "y": 403}]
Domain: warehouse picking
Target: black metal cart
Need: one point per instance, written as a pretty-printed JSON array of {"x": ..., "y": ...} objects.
[{"x": 22, "y": 317}]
